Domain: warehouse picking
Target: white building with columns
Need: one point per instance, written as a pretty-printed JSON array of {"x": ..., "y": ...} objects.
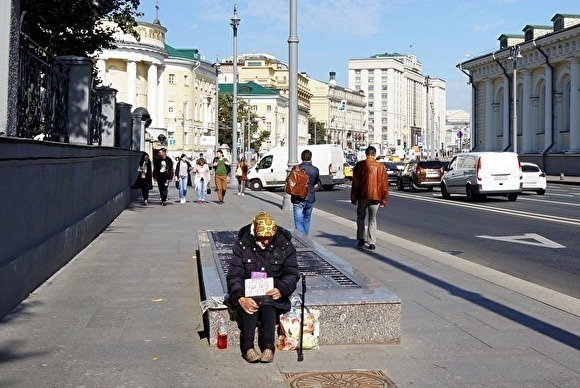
[
  {"x": 175, "y": 85},
  {"x": 547, "y": 77}
]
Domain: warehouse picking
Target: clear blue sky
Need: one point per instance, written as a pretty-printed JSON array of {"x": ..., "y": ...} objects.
[{"x": 441, "y": 33}]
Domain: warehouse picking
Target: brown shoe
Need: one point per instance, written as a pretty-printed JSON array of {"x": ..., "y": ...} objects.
[
  {"x": 267, "y": 355},
  {"x": 252, "y": 356}
]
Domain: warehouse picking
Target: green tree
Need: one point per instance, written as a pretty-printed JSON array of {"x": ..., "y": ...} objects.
[
  {"x": 320, "y": 129},
  {"x": 74, "y": 27},
  {"x": 244, "y": 113}
]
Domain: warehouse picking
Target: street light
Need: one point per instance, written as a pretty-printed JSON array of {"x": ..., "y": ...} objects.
[
  {"x": 234, "y": 22},
  {"x": 217, "y": 104},
  {"x": 514, "y": 55}
]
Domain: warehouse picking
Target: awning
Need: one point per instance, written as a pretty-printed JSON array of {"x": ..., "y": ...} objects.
[{"x": 155, "y": 132}]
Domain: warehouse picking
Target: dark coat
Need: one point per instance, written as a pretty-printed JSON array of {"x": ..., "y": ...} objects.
[
  {"x": 157, "y": 168},
  {"x": 148, "y": 181},
  {"x": 278, "y": 260}
]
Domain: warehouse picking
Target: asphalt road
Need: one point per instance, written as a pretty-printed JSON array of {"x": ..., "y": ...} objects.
[{"x": 534, "y": 238}]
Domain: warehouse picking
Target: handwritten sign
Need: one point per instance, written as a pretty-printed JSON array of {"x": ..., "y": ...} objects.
[{"x": 259, "y": 286}]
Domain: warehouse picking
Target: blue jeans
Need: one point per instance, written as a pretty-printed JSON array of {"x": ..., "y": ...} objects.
[
  {"x": 201, "y": 190},
  {"x": 182, "y": 186},
  {"x": 302, "y": 215}
]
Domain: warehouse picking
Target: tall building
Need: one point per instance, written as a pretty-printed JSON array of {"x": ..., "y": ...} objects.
[
  {"x": 546, "y": 59},
  {"x": 403, "y": 106},
  {"x": 342, "y": 110},
  {"x": 267, "y": 71},
  {"x": 176, "y": 86}
]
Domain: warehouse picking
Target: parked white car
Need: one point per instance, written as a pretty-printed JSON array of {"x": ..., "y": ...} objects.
[{"x": 533, "y": 178}]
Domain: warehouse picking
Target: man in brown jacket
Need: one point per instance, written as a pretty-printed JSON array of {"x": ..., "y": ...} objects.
[{"x": 370, "y": 189}]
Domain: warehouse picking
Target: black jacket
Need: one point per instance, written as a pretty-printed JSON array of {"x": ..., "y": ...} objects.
[
  {"x": 278, "y": 260},
  {"x": 168, "y": 169}
]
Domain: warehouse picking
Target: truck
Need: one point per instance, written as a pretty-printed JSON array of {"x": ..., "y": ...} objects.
[{"x": 271, "y": 170}]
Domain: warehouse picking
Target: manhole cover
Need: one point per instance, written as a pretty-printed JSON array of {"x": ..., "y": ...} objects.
[{"x": 362, "y": 379}]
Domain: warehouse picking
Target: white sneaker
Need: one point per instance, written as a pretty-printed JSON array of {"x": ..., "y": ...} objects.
[
  {"x": 182, "y": 200},
  {"x": 243, "y": 194},
  {"x": 238, "y": 193}
]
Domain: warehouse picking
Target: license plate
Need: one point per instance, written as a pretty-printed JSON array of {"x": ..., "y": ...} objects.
[
  {"x": 500, "y": 178},
  {"x": 432, "y": 175}
]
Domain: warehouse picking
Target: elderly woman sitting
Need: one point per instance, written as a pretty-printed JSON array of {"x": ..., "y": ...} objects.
[{"x": 262, "y": 250}]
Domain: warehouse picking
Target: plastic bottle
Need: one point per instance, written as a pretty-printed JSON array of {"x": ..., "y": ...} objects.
[{"x": 222, "y": 334}]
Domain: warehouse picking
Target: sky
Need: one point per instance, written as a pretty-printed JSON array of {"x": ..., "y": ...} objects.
[{"x": 440, "y": 33}]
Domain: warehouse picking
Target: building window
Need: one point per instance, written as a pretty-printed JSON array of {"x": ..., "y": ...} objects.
[
  {"x": 269, "y": 126},
  {"x": 269, "y": 108},
  {"x": 172, "y": 79},
  {"x": 186, "y": 80}
]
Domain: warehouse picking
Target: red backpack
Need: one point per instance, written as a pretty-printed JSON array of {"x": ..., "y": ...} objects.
[{"x": 297, "y": 183}]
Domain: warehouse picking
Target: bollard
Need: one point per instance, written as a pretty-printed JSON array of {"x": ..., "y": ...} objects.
[{"x": 561, "y": 176}]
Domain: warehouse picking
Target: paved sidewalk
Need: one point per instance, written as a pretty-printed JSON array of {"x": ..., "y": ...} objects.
[{"x": 125, "y": 313}]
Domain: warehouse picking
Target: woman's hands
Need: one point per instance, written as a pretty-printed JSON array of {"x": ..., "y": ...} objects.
[
  {"x": 248, "y": 304},
  {"x": 274, "y": 293}
]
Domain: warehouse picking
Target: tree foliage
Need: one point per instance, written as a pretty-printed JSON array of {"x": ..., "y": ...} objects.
[
  {"x": 74, "y": 27},
  {"x": 225, "y": 117},
  {"x": 320, "y": 134}
]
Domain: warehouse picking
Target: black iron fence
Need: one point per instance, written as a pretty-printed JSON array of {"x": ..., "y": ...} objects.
[{"x": 42, "y": 91}]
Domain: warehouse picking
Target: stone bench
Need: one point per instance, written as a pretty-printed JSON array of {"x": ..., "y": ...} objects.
[{"x": 351, "y": 312}]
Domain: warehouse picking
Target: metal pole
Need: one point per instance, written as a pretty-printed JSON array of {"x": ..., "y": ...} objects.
[
  {"x": 315, "y": 133},
  {"x": 426, "y": 132},
  {"x": 234, "y": 22},
  {"x": 217, "y": 104},
  {"x": 293, "y": 95}
]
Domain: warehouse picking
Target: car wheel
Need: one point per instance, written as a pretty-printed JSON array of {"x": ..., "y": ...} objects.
[
  {"x": 470, "y": 194},
  {"x": 256, "y": 185},
  {"x": 430, "y": 188},
  {"x": 444, "y": 192},
  {"x": 328, "y": 187},
  {"x": 400, "y": 186},
  {"x": 541, "y": 192},
  {"x": 512, "y": 197}
]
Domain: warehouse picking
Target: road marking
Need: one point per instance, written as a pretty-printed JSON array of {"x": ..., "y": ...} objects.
[{"x": 528, "y": 239}]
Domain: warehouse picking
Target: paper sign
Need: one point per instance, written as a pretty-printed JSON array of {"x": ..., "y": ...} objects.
[{"x": 259, "y": 286}]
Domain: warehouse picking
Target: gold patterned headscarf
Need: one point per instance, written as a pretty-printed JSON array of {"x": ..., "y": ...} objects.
[{"x": 264, "y": 225}]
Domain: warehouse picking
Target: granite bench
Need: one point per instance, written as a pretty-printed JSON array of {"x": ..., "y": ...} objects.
[{"x": 351, "y": 312}]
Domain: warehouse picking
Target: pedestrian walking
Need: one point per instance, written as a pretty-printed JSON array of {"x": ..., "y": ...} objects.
[
  {"x": 144, "y": 179},
  {"x": 242, "y": 175},
  {"x": 303, "y": 207},
  {"x": 262, "y": 250},
  {"x": 221, "y": 166},
  {"x": 369, "y": 191},
  {"x": 183, "y": 177},
  {"x": 201, "y": 179},
  {"x": 163, "y": 173}
]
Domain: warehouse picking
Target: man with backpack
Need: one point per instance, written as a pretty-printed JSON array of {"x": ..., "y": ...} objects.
[{"x": 302, "y": 207}]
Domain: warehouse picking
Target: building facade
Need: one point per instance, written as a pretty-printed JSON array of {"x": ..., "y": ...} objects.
[
  {"x": 547, "y": 91},
  {"x": 267, "y": 71},
  {"x": 176, "y": 87},
  {"x": 401, "y": 102},
  {"x": 342, "y": 111}
]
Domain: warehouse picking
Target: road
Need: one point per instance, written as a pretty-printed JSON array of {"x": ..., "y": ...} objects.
[{"x": 534, "y": 238}]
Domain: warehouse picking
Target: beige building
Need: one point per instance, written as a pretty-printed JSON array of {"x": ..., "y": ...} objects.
[
  {"x": 457, "y": 136},
  {"x": 267, "y": 71},
  {"x": 175, "y": 86},
  {"x": 401, "y": 105},
  {"x": 342, "y": 110},
  {"x": 547, "y": 89}
]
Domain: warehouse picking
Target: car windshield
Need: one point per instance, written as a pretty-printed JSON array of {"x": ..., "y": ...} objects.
[
  {"x": 431, "y": 164},
  {"x": 530, "y": 168},
  {"x": 391, "y": 165}
]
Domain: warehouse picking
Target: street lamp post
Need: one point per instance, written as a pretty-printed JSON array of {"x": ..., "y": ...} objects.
[
  {"x": 217, "y": 105},
  {"x": 234, "y": 22},
  {"x": 514, "y": 55}
]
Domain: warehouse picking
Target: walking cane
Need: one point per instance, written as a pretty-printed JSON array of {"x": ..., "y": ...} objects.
[{"x": 300, "y": 354}]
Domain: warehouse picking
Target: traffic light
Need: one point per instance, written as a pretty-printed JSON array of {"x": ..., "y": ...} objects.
[
  {"x": 404, "y": 146},
  {"x": 342, "y": 105}
]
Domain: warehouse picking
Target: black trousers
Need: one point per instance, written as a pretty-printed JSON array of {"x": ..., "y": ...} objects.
[
  {"x": 163, "y": 187},
  {"x": 266, "y": 315},
  {"x": 144, "y": 188}
]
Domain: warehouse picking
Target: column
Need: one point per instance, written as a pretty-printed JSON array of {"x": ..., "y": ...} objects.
[
  {"x": 489, "y": 132},
  {"x": 152, "y": 94},
  {"x": 548, "y": 107},
  {"x": 131, "y": 82},
  {"x": 506, "y": 113},
  {"x": 102, "y": 71},
  {"x": 575, "y": 104},
  {"x": 80, "y": 82},
  {"x": 124, "y": 136},
  {"x": 9, "y": 37},
  {"x": 160, "y": 109},
  {"x": 528, "y": 129},
  {"x": 108, "y": 114}
]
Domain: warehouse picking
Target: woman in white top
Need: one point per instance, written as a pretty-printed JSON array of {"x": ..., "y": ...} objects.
[
  {"x": 182, "y": 176},
  {"x": 201, "y": 179}
]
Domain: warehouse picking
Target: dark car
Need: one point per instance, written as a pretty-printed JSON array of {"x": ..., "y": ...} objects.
[
  {"x": 421, "y": 174},
  {"x": 392, "y": 171}
]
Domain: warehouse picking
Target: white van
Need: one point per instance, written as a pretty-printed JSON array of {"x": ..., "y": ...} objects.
[
  {"x": 270, "y": 171},
  {"x": 479, "y": 174}
]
